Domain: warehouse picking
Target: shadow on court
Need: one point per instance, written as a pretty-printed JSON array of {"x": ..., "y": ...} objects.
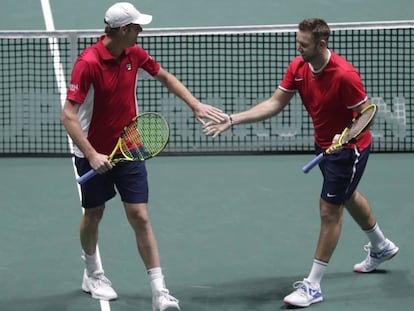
[
  {"x": 71, "y": 300},
  {"x": 346, "y": 291}
]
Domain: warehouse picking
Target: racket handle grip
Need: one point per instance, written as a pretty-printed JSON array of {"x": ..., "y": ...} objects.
[
  {"x": 85, "y": 177},
  {"x": 313, "y": 163}
]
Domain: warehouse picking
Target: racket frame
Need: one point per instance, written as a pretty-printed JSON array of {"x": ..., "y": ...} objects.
[
  {"x": 315, "y": 161},
  {"x": 125, "y": 158}
]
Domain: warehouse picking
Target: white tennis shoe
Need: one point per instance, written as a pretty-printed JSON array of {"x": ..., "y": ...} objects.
[
  {"x": 306, "y": 293},
  {"x": 98, "y": 286},
  {"x": 162, "y": 301},
  {"x": 374, "y": 259}
]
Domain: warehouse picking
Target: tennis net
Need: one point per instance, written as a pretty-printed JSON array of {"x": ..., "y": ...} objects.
[{"x": 231, "y": 68}]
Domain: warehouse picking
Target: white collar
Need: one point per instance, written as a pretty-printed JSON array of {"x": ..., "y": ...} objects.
[{"x": 323, "y": 66}]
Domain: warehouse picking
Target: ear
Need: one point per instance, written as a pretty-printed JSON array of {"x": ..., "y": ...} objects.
[
  {"x": 123, "y": 29},
  {"x": 323, "y": 43}
]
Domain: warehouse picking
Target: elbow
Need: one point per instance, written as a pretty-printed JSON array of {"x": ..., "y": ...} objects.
[
  {"x": 164, "y": 77},
  {"x": 68, "y": 113},
  {"x": 63, "y": 117}
]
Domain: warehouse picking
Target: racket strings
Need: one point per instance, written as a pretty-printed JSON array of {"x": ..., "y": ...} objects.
[
  {"x": 145, "y": 137},
  {"x": 131, "y": 145},
  {"x": 358, "y": 126},
  {"x": 154, "y": 132}
]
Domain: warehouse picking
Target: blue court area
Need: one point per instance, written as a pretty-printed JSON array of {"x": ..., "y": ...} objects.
[{"x": 234, "y": 231}]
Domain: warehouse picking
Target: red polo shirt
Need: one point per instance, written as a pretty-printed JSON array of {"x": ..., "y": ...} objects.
[
  {"x": 106, "y": 89},
  {"x": 329, "y": 96}
]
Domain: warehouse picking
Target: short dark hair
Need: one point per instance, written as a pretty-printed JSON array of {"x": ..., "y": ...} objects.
[
  {"x": 112, "y": 31},
  {"x": 109, "y": 30},
  {"x": 319, "y": 28}
]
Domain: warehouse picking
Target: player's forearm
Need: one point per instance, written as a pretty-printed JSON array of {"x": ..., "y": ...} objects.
[
  {"x": 176, "y": 87},
  {"x": 264, "y": 110},
  {"x": 259, "y": 112},
  {"x": 75, "y": 132}
]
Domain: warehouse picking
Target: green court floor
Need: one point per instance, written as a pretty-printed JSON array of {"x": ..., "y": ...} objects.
[{"x": 234, "y": 233}]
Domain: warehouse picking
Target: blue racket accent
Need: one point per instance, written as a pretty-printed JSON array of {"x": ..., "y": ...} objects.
[
  {"x": 313, "y": 163},
  {"x": 84, "y": 178}
]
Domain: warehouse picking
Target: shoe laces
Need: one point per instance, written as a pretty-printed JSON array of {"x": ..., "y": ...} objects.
[
  {"x": 301, "y": 287},
  {"x": 373, "y": 257},
  {"x": 101, "y": 279},
  {"x": 166, "y": 294},
  {"x": 305, "y": 289},
  {"x": 368, "y": 247}
]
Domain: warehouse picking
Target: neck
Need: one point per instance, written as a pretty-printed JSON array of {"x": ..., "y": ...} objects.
[
  {"x": 114, "y": 48},
  {"x": 319, "y": 64}
]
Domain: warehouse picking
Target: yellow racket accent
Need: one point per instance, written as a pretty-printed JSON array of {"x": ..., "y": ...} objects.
[
  {"x": 143, "y": 138},
  {"x": 348, "y": 136},
  {"x": 358, "y": 125}
]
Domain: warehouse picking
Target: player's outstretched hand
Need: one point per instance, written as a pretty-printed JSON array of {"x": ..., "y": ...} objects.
[
  {"x": 208, "y": 112},
  {"x": 214, "y": 129}
]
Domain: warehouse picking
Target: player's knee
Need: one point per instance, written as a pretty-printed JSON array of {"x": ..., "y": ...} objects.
[
  {"x": 330, "y": 213},
  {"x": 138, "y": 218}
]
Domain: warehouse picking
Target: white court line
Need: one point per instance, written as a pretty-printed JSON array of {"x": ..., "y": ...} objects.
[{"x": 61, "y": 83}]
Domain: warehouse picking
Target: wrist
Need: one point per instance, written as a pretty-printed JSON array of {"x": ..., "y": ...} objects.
[{"x": 231, "y": 120}]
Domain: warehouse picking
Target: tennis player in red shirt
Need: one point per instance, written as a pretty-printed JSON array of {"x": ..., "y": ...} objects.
[
  {"x": 332, "y": 92},
  {"x": 101, "y": 101}
]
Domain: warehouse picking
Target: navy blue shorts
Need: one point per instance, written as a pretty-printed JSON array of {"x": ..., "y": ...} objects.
[
  {"x": 129, "y": 178},
  {"x": 341, "y": 173}
]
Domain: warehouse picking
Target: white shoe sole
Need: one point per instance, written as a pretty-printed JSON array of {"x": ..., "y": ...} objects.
[
  {"x": 303, "y": 305},
  {"x": 98, "y": 297}
]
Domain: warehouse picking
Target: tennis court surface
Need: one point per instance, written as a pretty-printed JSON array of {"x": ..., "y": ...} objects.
[{"x": 234, "y": 231}]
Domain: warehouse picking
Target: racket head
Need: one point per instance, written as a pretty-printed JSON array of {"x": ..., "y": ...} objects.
[
  {"x": 144, "y": 137},
  {"x": 358, "y": 125}
]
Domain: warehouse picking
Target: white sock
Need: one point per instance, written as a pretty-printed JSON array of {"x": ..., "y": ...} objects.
[
  {"x": 376, "y": 237},
  {"x": 156, "y": 279},
  {"x": 91, "y": 263},
  {"x": 317, "y": 272}
]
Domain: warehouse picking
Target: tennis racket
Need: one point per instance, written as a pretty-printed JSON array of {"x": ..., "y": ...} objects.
[
  {"x": 348, "y": 136},
  {"x": 143, "y": 138}
]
